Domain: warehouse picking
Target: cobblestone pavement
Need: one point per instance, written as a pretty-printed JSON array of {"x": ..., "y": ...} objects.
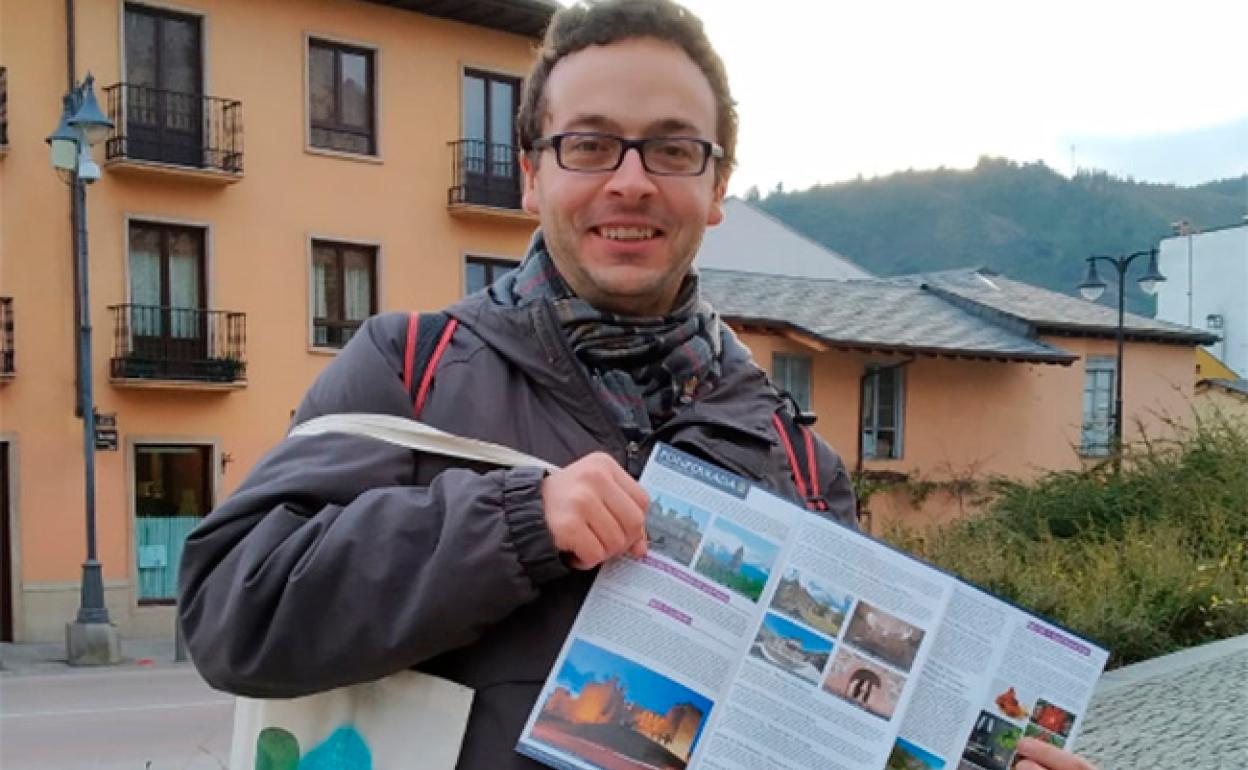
[{"x": 1186, "y": 711}]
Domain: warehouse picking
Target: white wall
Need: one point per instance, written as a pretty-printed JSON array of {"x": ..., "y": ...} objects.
[{"x": 1218, "y": 270}]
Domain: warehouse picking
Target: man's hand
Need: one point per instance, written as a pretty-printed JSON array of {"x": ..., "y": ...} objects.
[
  {"x": 1043, "y": 756},
  {"x": 595, "y": 511}
]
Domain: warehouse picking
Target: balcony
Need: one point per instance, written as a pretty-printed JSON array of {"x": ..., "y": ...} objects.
[
  {"x": 485, "y": 180},
  {"x": 7, "y": 362},
  {"x": 169, "y": 132},
  {"x": 178, "y": 347},
  {"x": 4, "y": 111}
]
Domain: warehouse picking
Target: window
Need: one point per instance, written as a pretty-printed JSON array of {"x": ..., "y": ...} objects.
[
  {"x": 1098, "y": 406},
  {"x": 792, "y": 374},
  {"x": 480, "y": 272},
  {"x": 341, "y": 106},
  {"x": 172, "y": 492},
  {"x": 344, "y": 293},
  {"x": 491, "y": 172},
  {"x": 164, "y": 86},
  {"x": 883, "y": 391},
  {"x": 167, "y": 287}
]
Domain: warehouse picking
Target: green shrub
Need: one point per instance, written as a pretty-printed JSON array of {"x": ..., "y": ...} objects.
[{"x": 1146, "y": 561}]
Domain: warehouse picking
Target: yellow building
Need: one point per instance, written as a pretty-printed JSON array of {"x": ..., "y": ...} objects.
[{"x": 278, "y": 171}]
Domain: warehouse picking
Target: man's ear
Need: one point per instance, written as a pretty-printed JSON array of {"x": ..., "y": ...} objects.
[
  {"x": 529, "y": 198},
  {"x": 716, "y": 213}
]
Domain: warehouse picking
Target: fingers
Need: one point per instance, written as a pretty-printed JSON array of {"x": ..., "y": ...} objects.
[
  {"x": 595, "y": 511},
  {"x": 1043, "y": 756}
]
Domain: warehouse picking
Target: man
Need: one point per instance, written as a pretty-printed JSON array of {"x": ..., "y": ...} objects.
[{"x": 341, "y": 560}]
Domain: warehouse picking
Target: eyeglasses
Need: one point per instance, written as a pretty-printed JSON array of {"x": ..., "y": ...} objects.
[{"x": 591, "y": 152}]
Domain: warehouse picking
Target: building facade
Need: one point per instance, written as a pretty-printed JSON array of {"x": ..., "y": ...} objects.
[
  {"x": 1207, "y": 287},
  {"x": 929, "y": 384},
  {"x": 278, "y": 171}
]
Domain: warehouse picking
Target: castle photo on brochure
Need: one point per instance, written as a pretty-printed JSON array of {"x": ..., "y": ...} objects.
[
  {"x": 736, "y": 558},
  {"x": 813, "y": 604},
  {"x": 675, "y": 527},
  {"x": 619, "y": 715}
]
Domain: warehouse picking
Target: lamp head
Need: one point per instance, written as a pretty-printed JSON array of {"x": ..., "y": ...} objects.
[
  {"x": 89, "y": 119},
  {"x": 1092, "y": 287},
  {"x": 1148, "y": 282},
  {"x": 64, "y": 140}
]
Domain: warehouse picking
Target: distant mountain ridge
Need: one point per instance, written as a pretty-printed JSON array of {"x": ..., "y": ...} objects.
[{"x": 1021, "y": 219}]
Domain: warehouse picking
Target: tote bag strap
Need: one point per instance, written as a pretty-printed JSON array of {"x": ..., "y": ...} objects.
[{"x": 414, "y": 434}]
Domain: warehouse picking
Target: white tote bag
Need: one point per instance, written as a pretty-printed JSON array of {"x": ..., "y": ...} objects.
[{"x": 405, "y": 720}]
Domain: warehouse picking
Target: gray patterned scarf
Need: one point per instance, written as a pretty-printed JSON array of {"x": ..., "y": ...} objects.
[{"x": 642, "y": 368}]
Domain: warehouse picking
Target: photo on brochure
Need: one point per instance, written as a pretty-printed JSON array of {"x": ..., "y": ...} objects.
[
  {"x": 1011, "y": 701},
  {"x": 1055, "y": 719},
  {"x": 991, "y": 745},
  {"x": 907, "y": 756},
  {"x": 675, "y": 527},
  {"x": 808, "y": 601},
  {"x": 613, "y": 713},
  {"x": 864, "y": 683},
  {"x": 884, "y": 636},
  {"x": 736, "y": 558},
  {"x": 792, "y": 648},
  {"x": 1039, "y": 733}
]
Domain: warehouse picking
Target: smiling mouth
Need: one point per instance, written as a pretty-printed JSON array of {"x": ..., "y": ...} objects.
[{"x": 627, "y": 234}]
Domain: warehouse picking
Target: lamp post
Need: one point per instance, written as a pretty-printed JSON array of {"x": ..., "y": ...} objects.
[
  {"x": 1092, "y": 288},
  {"x": 91, "y": 639}
]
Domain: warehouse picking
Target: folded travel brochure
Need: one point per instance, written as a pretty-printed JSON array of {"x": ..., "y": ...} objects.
[{"x": 757, "y": 635}]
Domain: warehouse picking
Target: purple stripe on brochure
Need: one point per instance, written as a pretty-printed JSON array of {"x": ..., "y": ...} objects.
[
  {"x": 685, "y": 577},
  {"x": 671, "y": 611},
  {"x": 1061, "y": 639}
]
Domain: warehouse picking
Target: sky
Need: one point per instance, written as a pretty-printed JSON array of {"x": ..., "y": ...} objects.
[
  {"x": 588, "y": 663},
  {"x": 829, "y": 90}
]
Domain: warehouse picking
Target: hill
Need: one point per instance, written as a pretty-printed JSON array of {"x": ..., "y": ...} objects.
[{"x": 1023, "y": 220}]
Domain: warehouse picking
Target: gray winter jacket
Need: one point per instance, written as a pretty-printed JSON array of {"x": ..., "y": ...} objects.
[{"x": 342, "y": 559}]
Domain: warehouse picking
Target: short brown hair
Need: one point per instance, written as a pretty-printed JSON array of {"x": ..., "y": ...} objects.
[{"x": 602, "y": 22}]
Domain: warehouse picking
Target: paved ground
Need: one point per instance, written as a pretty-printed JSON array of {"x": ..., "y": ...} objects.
[
  {"x": 146, "y": 710},
  {"x": 1187, "y": 711}
]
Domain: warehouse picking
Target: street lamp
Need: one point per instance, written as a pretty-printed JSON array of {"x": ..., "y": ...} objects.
[
  {"x": 1093, "y": 287},
  {"x": 91, "y": 639}
]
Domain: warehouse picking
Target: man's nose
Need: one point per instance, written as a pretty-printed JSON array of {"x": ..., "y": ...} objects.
[{"x": 631, "y": 180}]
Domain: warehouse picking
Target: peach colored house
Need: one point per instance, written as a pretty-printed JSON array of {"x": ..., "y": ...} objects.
[
  {"x": 279, "y": 170},
  {"x": 958, "y": 374}
]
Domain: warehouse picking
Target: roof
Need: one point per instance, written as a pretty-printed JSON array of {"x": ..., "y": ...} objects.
[
  {"x": 519, "y": 17},
  {"x": 749, "y": 236},
  {"x": 1238, "y": 387},
  {"x": 869, "y": 315},
  {"x": 988, "y": 293}
]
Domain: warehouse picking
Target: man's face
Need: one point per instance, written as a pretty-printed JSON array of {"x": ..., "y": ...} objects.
[{"x": 624, "y": 240}]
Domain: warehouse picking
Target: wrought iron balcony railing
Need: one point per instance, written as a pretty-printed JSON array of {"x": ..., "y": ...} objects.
[
  {"x": 4, "y": 107},
  {"x": 484, "y": 174},
  {"x": 172, "y": 343},
  {"x": 7, "y": 362},
  {"x": 180, "y": 129}
]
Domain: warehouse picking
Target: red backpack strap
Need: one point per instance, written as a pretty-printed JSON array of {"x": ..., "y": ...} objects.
[
  {"x": 428, "y": 335},
  {"x": 799, "y": 446}
]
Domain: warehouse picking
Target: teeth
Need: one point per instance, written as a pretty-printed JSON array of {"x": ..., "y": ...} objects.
[{"x": 627, "y": 233}]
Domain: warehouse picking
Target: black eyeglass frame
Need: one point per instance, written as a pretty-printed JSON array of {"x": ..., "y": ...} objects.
[{"x": 554, "y": 142}]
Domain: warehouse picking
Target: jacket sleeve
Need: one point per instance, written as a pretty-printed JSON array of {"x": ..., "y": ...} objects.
[
  {"x": 836, "y": 485},
  {"x": 330, "y": 566}
]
